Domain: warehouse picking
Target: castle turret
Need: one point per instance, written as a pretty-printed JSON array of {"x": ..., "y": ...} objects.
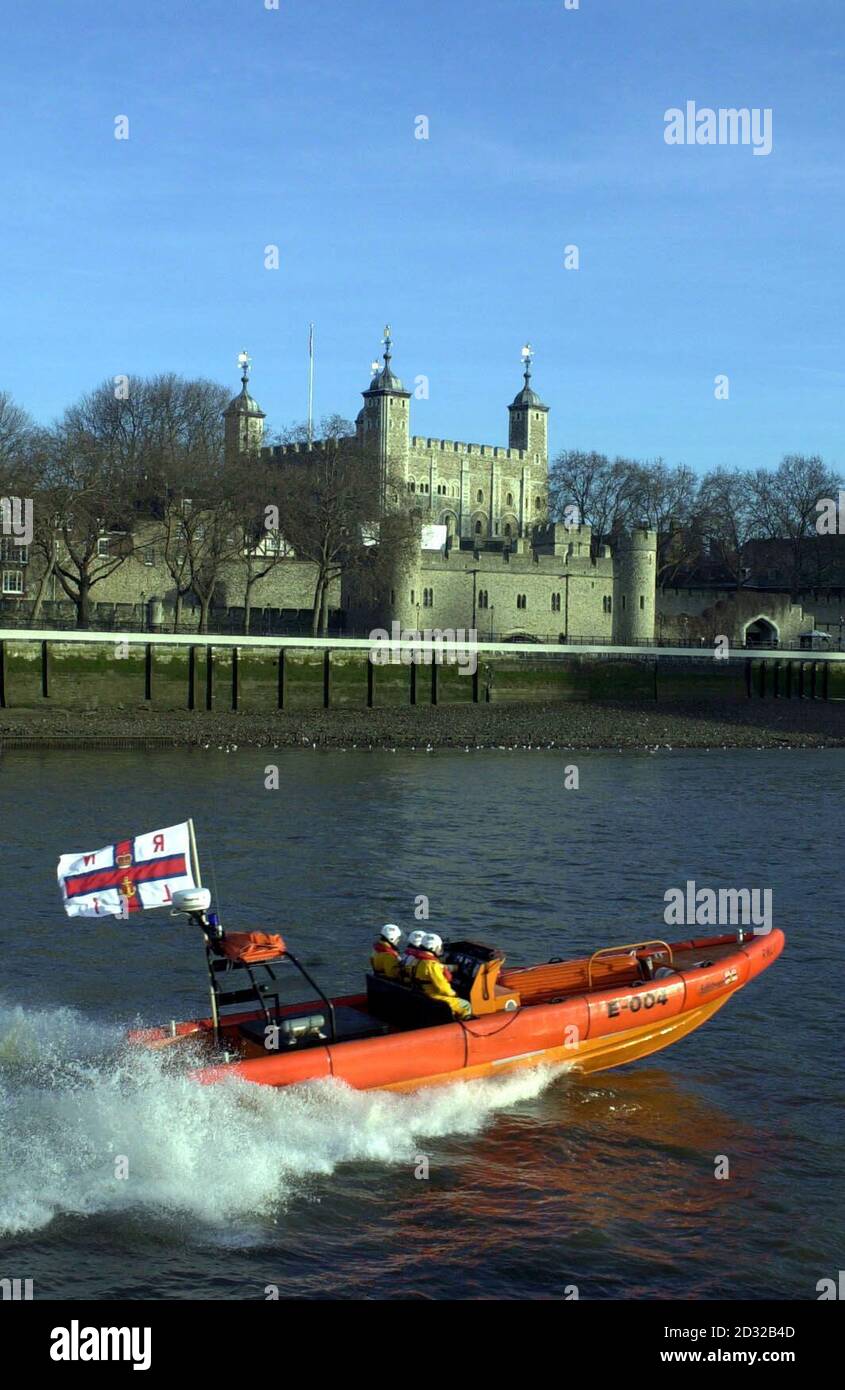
[
  {"x": 529, "y": 431},
  {"x": 634, "y": 584},
  {"x": 529, "y": 418},
  {"x": 385, "y": 419},
  {"x": 243, "y": 419}
]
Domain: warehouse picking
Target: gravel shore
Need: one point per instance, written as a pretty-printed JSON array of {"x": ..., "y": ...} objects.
[{"x": 751, "y": 724}]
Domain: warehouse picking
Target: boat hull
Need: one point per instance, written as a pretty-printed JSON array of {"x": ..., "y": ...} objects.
[{"x": 586, "y": 1033}]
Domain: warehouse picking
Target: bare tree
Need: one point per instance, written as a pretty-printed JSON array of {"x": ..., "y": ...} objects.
[
  {"x": 728, "y": 518},
  {"x": 784, "y": 504},
  {"x": 664, "y": 499},
  {"x": 86, "y": 515},
  {"x": 340, "y": 510}
]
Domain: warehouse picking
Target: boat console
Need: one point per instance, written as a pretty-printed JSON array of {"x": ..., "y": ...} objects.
[{"x": 475, "y": 976}]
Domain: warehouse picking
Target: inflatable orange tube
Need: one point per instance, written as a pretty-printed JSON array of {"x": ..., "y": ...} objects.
[{"x": 589, "y": 1031}]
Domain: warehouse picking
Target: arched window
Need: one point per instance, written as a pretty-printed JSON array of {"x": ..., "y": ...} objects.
[
  {"x": 479, "y": 496},
  {"x": 538, "y": 504},
  {"x": 521, "y": 601},
  {"x": 478, "y": 528},
  {"x": 412, "y": 487}
]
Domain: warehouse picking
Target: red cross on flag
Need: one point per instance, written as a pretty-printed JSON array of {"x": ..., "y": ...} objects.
[{"x": 131, "y": 876}]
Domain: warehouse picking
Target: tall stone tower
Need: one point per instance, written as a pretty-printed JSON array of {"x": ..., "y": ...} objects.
[
  {"x": 529, "y": 419},
  {"x": 243, "y": 419},
  {"x": 634, "y": 585},
  {"x": 385, "y": 419}
]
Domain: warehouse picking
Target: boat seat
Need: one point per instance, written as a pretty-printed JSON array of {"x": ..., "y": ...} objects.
[{"x": 402, "y": 1005}]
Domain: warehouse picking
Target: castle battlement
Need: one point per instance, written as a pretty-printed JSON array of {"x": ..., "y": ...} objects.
[
  {"x": 285, "y": 450},
  {"x": 489, "y": 562},
  {"x": 419, "y": 443}
]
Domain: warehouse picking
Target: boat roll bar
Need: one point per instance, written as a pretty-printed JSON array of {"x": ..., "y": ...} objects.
[
  {"x": 631, "y": 950},
  {"x": 194, "y": 903}
]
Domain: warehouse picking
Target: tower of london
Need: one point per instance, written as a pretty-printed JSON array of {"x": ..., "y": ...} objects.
[{"x": 488, "y": 557}]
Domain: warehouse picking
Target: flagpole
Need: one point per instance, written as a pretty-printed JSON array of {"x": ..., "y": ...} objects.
[
  {"x": 311, "y": 385},
  {"x": 195, "y": 863}
]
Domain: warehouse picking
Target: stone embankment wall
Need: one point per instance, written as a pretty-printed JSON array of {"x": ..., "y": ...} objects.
[{"x": 262, "y": 675}]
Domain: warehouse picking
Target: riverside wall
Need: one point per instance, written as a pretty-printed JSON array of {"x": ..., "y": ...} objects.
[{"x": 126, "y": 671}]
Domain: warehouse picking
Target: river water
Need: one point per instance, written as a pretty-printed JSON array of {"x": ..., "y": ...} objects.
[{"x": 534, "y": 1184}]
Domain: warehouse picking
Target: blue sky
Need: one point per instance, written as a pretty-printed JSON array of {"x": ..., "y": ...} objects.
[{"x": 250, "y": 127}]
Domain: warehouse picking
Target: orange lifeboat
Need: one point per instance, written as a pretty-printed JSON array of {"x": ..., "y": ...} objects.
[{"x": 616, "y": 1006}]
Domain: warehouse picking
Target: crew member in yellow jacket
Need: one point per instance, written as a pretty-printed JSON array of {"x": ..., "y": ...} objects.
[
  {"x": 435, "y": 979},
  {"x": 385, "y": 958}
]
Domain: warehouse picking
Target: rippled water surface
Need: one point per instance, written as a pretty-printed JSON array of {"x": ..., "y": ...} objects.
[{"x": 537, "y": 1182}]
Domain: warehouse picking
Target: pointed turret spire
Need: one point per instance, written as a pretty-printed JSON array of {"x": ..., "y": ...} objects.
[
  {"x": 383, "y": 377},
  {"x": 527, "y": 358},
  {"x": 527, "y": 396},
  {"x": 244, "y": 418}
]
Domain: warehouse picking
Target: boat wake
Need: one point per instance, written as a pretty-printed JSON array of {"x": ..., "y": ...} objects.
[{"x": 79, "y": 1109}]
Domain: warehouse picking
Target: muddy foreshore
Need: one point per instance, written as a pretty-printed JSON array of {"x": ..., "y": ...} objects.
[{"x": 755, "y": 724}]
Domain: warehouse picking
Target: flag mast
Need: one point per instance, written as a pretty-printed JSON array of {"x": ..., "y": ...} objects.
[
  {"x": 311, "y": 385},
  {"x": 195, "y": 863}
]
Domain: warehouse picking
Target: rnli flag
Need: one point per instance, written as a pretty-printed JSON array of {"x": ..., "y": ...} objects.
[{"x": 129, "y": 877}]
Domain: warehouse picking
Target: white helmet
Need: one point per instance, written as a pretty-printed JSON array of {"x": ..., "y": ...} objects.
[
  {"x": 432, "y": 943},
  {"x": 416, "y": 938},
  {"x": 391, "y": 934}
]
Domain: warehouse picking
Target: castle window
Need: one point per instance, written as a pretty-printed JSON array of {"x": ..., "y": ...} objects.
[
  {"x": 607, "y": 604},
  {"x": 9, "y": 550},
  {"x": 521, "y": 601},
  {"x": 428, "y": 598},
  {"x": 392, "y": 597},
  {"x": 412, "y": 487},
  {"x": 478, "y": 528},
  {"x": 555, "y": 603},
  {"x": 510, "y": 499},
  {"x": 12, "y": 582},
  {"x": 642, "y": 601},
  {"x": 479, "y": 496},
  {"x": 623, "y": 603},
  {"x": 412, "y": 596},
  {"x": 483, "y": 599},
  {"x": 538, "y": 504},
  {"x": 508, "y": 531},
  {"x": 103, "y": 548}
]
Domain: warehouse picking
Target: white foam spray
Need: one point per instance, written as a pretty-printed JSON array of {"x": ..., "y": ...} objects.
[{"x": 74, "y": 1100}]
